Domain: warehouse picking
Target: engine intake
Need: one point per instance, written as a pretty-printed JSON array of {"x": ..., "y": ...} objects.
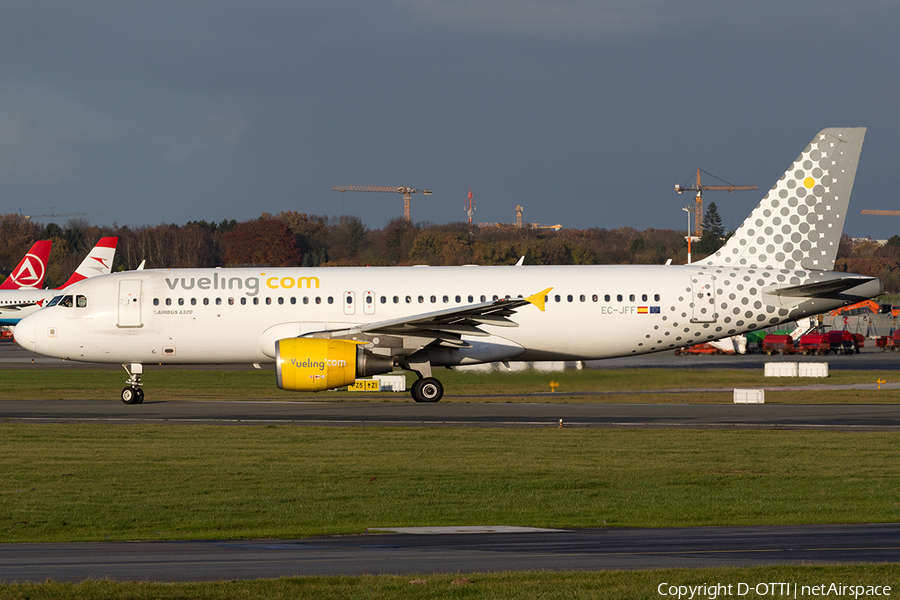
[{"x": 316, "y": 364}]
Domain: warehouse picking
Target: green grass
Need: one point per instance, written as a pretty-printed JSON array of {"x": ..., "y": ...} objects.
[
  {"x": 149, "y": 482},
  {"x": 489, "y": 586},
  {"x": 589, "y": 385}
]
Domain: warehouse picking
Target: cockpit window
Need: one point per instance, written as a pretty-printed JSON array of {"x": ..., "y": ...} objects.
[
  {"x": 54, "y": 301},
  {"x": 81, "y": 301},
  {"x": 66, "y": 301}
]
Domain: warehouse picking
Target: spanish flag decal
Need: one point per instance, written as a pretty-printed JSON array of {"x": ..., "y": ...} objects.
[{"x": 643, "y": 310}]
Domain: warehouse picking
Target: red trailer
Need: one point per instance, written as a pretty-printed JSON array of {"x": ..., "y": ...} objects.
[
  {"x": 888, "y": 341},
  {"x": 778, "y": 344},
  {"x": 842, "y": 342},
  {"x": 814, "y": 343}
]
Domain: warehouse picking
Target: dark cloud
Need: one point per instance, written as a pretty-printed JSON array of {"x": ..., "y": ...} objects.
[{"x": 587, "y": 113}]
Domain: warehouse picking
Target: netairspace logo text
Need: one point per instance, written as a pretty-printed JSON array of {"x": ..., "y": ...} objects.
[{"x": 770, "y": 590}]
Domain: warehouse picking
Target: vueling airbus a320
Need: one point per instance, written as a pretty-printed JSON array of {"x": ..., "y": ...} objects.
[{"x": 325, "y": 327}]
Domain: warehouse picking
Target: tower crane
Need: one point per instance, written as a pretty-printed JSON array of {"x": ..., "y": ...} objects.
[
  {"x": 519, "y": 211},
  {"x": 470, "y": 209},
  {"x": 698, "y": 200},
  {"x": 406, "y": 191}
]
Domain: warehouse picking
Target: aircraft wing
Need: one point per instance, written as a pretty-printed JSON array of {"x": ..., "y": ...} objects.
[{"x": 446, "y": 326}]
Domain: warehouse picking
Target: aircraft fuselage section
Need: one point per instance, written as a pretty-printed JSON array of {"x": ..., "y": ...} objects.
[{"x": 202, "y": 316}]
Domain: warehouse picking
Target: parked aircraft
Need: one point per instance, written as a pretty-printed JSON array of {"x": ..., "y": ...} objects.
[
  {"x": 324, "y": 327},
  {"x": 18, "y": 303},
  {"x": 30, "y": 272}
]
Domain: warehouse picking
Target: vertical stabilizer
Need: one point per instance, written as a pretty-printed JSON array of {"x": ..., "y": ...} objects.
[
  {"x": 798, "y": 224},
  {"x": 98, "y": 262},
  {"x": 30, "y": 272}
]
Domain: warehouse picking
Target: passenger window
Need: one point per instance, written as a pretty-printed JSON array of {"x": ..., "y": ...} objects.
[
  {"x": 193, "y": 302},
  {"x": 447, "y": 299},
  {"x": 255, "y": 301},
  {"x": 656, "y": 297},
  {"x": 595, "y": 297},
  {"x": 349, "y": 299},
  {"x": 618, "y": 297},
  {"x": 168, "y": 302},
  {"x": 644, "y": 298},
  {"x": 243, "y": 302},
  {"x": 330, "y": 300},
  {"x": 408, "y": 299},
  {"x": 606, "y": 298},
  {"x": 495, "y": 297},
  {"x": 181, "y": 302},
  {"x": 557, "y": 298},
  {"x": 318, "y": 300},
  {"x": 81, "y": 301},
  {"x": 231, "y": 302},
  {"x": 218, "y": 301},
  {"x": 582, "y": 298},
  {"x": 155, "y": 302},
  {"x": 396, "y": 299},
  {"x": 471, "y": 298},
  {"x": 421, "y": 299},
  {"x": 268, "y": 301},
  {"x": 433, "y": 299},
  {"x": 280, "y": 300},
  {"x": 569, "y": 297},
  {"x": 205, "y": 301},
  {"x": 458, "y": 299},
  {"x": 631, "y": 298},
  {"x": 293, "y": 299},
  {"x": 483, "y": 299},
  {"x": 305, "y": 299}
]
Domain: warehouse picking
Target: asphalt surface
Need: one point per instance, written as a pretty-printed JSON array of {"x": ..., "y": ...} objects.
[
  {"x": 407, "y": 554},
  {"x": 843, "y": 417}
]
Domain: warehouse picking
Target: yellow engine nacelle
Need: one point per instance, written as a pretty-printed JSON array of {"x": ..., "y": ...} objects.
[{"x": 316, "y": 364}]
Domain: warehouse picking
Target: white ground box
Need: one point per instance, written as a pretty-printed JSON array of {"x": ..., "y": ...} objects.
[
  {"x": 781, "y": 369},
  {"x": 391, "y": 383},
  {"x": 812, "y": 370},
  {"x": 749, "y": 396}
]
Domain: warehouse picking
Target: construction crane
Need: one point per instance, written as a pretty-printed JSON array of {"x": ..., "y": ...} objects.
[
  {"x": 54, "y": 215},
  {"x": 406, "y": 191},
  {"x": 519, "y": 211},
  {"x": 882, "y": 213},
  {"x": 698, "y": 201}
]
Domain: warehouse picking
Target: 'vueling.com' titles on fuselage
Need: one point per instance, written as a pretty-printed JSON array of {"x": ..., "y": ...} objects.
[{"x": 250, "y": 285}]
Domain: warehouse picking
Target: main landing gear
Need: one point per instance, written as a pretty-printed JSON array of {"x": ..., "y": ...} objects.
[
  {"x": 426, "y": 388},
  {"x": 133, "y": 394}
]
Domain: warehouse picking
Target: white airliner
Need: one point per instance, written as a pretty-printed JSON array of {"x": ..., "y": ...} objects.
[
  {"x": 18, "y": 303},
  {"x": 324, "y": 327}
]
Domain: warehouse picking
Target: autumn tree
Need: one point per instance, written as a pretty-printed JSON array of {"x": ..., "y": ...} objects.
[{"x": 268, "y": 242}]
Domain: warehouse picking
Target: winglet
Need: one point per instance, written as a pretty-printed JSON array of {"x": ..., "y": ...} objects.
[{"x": 538, "y": 299}]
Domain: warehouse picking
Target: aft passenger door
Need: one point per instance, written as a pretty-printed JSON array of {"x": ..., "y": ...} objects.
[
  {"x": 703, "y": 298},
  {"x": 130, "y": 303}
]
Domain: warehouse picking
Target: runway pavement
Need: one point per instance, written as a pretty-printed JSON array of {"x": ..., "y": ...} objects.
[
  {"x": 406, "y": 554},
  {"x": 842, "y": 417}
]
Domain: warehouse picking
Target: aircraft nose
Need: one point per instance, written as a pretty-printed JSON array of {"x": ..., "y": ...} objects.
[{"x": 23, "y": 333}]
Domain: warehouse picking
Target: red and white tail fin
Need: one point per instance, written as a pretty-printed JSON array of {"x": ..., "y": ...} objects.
[
  {"x": 98, "y": 262},
  {"x": 29, "y": 273}
]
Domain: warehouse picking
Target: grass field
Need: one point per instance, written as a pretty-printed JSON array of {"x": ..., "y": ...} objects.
[
  {"x": 613, "y": 585},
  {"x": 155, "y": 482},
  {"x": 589, "y": 385}
]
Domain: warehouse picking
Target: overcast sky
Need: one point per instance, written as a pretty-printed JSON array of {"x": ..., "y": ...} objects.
[{"x": 585, "y": 112}]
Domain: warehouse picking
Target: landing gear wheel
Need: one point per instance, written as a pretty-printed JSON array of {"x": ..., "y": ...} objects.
[
  {"x": 132, "y": 395},
  {"x": 427, "y": 389}
]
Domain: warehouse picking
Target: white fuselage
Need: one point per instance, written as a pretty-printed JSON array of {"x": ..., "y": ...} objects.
[
  {"x": 235, "y": 315},
  {"x": 16, "y": 304}
]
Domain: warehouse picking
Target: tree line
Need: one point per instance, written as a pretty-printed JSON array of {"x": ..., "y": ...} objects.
[{"x": 292, "y": 238}]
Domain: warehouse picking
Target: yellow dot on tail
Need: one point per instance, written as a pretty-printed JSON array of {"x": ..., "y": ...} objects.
[{"x": 809, "y": 182}]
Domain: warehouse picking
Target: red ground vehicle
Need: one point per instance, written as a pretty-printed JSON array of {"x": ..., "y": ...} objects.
[
  {"x": 778, "y": 344},
  {"x": 814, "y": 343},
  {"x": 842, "y": 342},
  {"x": 889, "y": 341}
]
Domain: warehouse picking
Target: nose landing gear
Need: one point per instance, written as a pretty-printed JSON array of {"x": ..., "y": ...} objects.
[{"x": 133, "y": 394}]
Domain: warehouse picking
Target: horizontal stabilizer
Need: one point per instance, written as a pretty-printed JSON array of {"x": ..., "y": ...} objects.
[{"x": 820, "y": 289}]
